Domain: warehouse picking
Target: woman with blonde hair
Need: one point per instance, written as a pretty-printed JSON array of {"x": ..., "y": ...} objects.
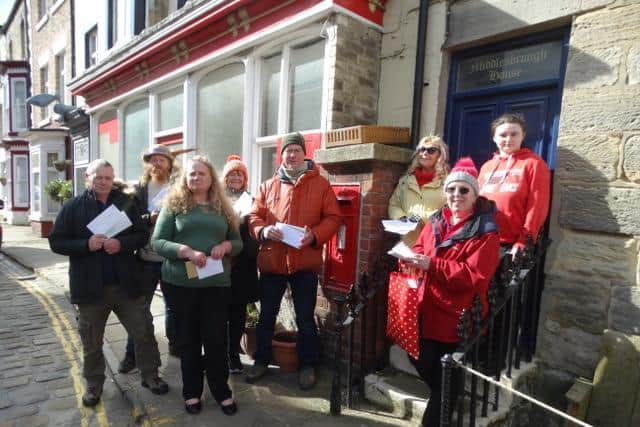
[
  {"x": 419, "y": 191},
  {"x": 198, "y": 227}
]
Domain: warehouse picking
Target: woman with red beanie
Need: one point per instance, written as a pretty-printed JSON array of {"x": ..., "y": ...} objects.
[
  {"x": 455, "y": 257},
  {"x": 518, "y": 181}
]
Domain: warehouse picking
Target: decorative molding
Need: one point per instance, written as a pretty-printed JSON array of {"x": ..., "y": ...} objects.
[
  {"x": 180, "y": 51},
  {"x": 142, "y": 70}
]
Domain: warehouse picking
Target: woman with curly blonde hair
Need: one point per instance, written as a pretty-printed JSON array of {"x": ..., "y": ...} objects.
[
  {"x": 198, "y": 228},
  {"x": 419, "y": 191}
]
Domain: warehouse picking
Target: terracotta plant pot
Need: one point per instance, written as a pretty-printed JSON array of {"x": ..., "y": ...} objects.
[
  {"x": 248, "y": 342},
  {"x": 285, "y": 352}
]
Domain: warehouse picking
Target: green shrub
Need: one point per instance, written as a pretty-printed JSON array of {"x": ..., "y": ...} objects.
[{"x": 59, "y": 190}]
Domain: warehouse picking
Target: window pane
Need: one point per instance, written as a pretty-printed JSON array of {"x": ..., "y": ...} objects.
[
  {"x": 52, "y": 205},
  {"x": 19, "y": 110},
  {"x": 78, "y": 180},
  {"x": 108, "y": 140},
  {"x": 170, "y": 106},
  {"x": 22, "y": 183},
  {"x": 156, "y": 10},
  {"x": 270, "y": 95},
  {"x": 267, "y": 163},
  {"x": 220, "y": 107},
  {"x": 136, "y": 137},
  {"x": 306, "y": 86},
  {"x": 36, "y": 191}
]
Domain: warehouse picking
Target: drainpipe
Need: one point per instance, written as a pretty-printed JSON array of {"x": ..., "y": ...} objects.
[{"x": 418, "y": 79}]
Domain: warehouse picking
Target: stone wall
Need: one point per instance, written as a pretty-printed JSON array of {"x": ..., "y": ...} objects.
[
  {"x": 50, "y": 36},
  {"x": 17, "y": 35},
  {"x": 593, "y": 275},
  {"x": 353, "y": 73}
]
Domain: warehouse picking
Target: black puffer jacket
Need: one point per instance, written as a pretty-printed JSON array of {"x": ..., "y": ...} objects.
[
  {"x": 244, "y": 269},
  {"x": 70, "y": 236}
]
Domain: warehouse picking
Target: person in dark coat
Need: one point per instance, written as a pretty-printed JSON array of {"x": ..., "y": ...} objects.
[
  {"x": 102, "y": 278},
  {"x": 244, "y": 270}
]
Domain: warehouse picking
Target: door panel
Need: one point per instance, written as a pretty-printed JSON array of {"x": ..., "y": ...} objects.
[{"x": 469, "y": 133}]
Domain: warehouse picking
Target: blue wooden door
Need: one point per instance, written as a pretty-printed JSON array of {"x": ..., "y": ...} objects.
[{"x": 469, "y": 133}]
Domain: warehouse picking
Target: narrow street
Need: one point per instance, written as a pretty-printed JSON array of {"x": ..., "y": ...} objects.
[{"x": 41, "y": 358}]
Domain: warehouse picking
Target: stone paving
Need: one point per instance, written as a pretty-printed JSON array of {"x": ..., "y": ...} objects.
[
  {"x": 274, "y": 401},
  {"x": 40, "y": 358}
]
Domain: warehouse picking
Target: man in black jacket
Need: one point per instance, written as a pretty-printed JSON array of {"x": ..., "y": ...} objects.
[{"x": 101, "y": 278}]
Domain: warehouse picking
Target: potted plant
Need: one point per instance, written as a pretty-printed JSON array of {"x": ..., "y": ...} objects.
[
  {"x": 59, "y": 190},
  {"x": 248, "y": 340}
]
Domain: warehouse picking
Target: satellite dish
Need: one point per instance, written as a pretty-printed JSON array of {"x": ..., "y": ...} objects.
[{"x": 41, "y": 99}]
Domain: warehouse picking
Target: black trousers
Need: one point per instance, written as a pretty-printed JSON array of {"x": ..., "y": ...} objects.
[
  {"x": 237, "y": 319},
  {"x": 429, "y": 368},
  {"x": 201, "y": 322}
]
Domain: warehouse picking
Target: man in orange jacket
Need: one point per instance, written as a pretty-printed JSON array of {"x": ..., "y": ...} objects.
[{"x": 296, "y": 195}]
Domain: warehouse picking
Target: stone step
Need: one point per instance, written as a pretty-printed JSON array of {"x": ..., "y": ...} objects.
[{"x": 404, "y": 395}]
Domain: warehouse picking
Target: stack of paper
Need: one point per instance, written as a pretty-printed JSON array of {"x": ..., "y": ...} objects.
[
  {"x": 211, "y": 268},
  {"x": 398, "y": 227},
  {"x": 401, "y": 250},
  {"x": 110, "y": 222},
  {"x": 291, "y": 234}
]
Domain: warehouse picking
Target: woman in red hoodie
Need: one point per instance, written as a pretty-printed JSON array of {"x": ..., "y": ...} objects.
[
  {"x": 456, "y": 255},
  {"x": 518, "y": 181}
]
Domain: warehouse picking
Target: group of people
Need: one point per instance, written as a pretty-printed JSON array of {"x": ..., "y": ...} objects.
[
  {"x": 470, "y": 221},
  {"x": 194, "y": 234}
]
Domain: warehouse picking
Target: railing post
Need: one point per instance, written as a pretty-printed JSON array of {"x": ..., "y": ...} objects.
[
  {"x": 445, "y": 403},
  {"x": 336, "y": 384},
  {"x": 351, "y": 307}
]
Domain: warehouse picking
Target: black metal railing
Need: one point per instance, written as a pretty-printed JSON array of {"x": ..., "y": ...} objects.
[
  {"x": 500, "y": 341},
  {"x": 351, "y": 306}
]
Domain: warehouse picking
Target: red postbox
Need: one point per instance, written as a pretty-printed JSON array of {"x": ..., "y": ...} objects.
[{"x": 342, "y": 249}]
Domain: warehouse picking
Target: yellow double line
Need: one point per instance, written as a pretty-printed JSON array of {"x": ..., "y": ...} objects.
[{"x": 72, "y": 348}]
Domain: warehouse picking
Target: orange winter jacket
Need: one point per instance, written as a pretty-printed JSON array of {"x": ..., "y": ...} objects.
[
  {"x": 311, "y": 202},
  {"x": 519, "y": 185}
]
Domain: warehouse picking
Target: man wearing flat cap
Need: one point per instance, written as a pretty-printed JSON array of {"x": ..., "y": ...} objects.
[
  {"x": 158, "y": 164},
  {"x": 296, "y": 195}
]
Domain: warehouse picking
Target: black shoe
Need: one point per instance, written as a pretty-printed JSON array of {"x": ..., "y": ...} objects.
[
  {"x": 155, "y": 384},
  {"x": 230, "y": 409},
  {"x": 193, "y": 408},
  {"x": 127, "y": 364},
  {"x": 235, "y": 365},
  {"x": 257, "y": 371},
  {"x": 307, "y": 378},
  {"x": 91, "y": 396},
  {"x": 173, "y": 350}
]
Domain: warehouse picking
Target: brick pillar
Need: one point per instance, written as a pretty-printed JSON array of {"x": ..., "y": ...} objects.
[{"x": 377, "y": 168}]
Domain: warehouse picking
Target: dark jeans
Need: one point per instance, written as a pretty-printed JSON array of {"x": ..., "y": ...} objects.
[
  {"x": 304, "y": 288},
  {"x": 237, "y": 319},
  {"x": 147, "y": 294},
  {"x": 135, "y": 317},
  {"x": 201, "y": 321},
  {"x": 429, "y": 367}
]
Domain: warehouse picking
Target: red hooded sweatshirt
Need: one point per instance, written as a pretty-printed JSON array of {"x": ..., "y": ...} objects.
[{"x": 520, "y": 185}]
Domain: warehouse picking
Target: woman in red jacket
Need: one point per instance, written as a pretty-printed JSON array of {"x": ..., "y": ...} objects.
[
  {"x": 458, "y": 249},
  {"x": 518, "y": 181}
]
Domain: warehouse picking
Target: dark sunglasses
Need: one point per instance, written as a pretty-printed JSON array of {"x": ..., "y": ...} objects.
[
  {"x": 461, "y": 190},
  {"x": 430, "y": 150}
]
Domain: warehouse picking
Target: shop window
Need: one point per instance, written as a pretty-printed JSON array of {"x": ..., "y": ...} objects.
[
  {"x": 306, "y": 86},
  {"x": 108, "y": 140},
  {"x": 136, "y": 138},
  {"x": 170, "y": 109},
  {"x": 79, "y": 180},
  {"x": 220, "y": 113},
  {"x": 271, "y": 94}
]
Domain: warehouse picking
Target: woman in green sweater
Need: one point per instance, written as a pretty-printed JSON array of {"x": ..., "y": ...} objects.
[{"x": 197, "y": 229}]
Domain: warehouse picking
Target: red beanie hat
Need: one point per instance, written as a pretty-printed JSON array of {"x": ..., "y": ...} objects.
[{"x": 464, "y": 170}]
